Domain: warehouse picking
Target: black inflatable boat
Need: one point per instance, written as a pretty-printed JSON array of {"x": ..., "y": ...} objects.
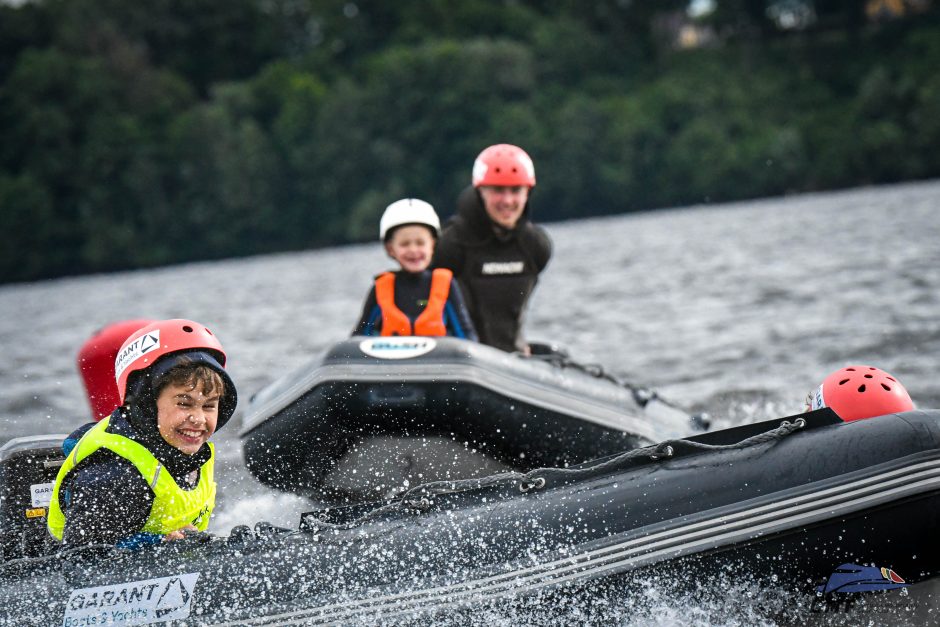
[
  {"x": 374, "y": 415},
  {"x": 810, "y": 506}
]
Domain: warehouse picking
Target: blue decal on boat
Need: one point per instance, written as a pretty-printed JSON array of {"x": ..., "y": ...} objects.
[{"x": 855, "y": 578}]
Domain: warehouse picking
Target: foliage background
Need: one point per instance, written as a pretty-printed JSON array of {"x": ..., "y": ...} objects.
[{"x": 140, "y": 134}]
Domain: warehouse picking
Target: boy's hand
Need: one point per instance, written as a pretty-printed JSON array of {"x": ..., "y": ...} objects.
[{"x": 179, "y": 534}]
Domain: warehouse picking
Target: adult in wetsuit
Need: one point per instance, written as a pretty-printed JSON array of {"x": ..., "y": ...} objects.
[{"x": 493, "y": 248}]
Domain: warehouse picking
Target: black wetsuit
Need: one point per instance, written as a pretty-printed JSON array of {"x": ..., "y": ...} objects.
[
  {"x": 411, "y": 296},
  {"x": 498, "y": 268},
  {"x": 105, "y": 499}
]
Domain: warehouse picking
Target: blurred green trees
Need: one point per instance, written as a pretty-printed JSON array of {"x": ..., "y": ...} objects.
[{"x": 139, "y": 134}]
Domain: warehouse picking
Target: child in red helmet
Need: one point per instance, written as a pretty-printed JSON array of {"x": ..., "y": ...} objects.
[
  {"x": 857, "y": 392},
  {"x": 145, "y": 474}
]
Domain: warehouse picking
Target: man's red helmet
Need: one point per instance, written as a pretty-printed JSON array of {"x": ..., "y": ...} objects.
[{"x": 504, "y": 165}]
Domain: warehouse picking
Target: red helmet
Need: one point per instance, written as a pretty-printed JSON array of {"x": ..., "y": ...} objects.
[
  {"x": 145, "y": 346},
  {"x": 96, "y": 364},
  {"x": 503, "y": 164},
  {"x": 857, "y": 392}
]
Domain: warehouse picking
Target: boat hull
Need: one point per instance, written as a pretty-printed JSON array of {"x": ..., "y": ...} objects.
[
  {"x": 784, "y": 507},
  {"x": 454, "y": 409}
]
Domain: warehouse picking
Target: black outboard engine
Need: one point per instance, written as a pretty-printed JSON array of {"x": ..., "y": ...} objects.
[{"x": 28, "y": 468}]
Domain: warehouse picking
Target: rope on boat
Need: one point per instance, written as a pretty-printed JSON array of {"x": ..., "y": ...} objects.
[
  {"x": 641, "y": 394},
  {"x": 420, "y": 498}
]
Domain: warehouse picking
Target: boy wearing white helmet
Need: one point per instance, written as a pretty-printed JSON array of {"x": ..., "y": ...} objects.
[{"x": 413, "y": 300}]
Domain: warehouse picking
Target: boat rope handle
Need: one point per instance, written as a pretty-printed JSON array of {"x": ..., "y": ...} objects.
[
  {"x": 536, "y": 484},
  {"x": 641, "y": 394}
]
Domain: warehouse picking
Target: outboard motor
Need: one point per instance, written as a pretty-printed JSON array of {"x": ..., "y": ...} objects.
[{"x": 28, "y": 468}]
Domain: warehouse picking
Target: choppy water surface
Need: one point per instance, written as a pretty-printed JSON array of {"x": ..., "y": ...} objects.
[{"x": 737, "y": 309}]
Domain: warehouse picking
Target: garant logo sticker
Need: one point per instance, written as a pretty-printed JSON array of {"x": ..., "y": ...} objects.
[
  {"x": 132, "y": 603},
  {"x": 41, "y": 494},
  {"x": 397, "y": 347},
  {"x": 141, "y": 346}
]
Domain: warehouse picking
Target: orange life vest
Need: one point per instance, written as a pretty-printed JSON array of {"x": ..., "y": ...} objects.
[{"x": 429, "y": 322}]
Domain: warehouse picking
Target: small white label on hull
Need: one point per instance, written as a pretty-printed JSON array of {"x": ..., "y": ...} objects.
[{"x": 41, "y": 494}]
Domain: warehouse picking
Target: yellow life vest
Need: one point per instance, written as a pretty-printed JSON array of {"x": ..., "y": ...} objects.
[{"x": 173, "y": 508}]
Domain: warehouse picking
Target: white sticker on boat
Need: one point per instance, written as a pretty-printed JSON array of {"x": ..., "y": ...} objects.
[
  {"x": 132, "y": 603},
  {"x": 41, "y": 494},
  {"x": 397, "y": 347},
  {"x": 140, "y": 346}
]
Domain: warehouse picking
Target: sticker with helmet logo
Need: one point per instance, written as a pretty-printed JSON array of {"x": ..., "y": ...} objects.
[
  {"x": 816, "y": 399},
  {"x": 141, "y": 346},
  {"x": 479, "y": 169}
]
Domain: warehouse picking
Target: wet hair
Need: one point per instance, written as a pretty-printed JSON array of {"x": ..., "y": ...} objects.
[{"x": 187, "y": 372}]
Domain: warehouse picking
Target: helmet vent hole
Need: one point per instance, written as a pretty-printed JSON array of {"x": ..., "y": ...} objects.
[
  {"x": 861, "y": 388},
  {"x": 208, "y": 331},
  {"x": 868, "y": 376},
  {"x": 887, "y": 389},
  {"x": 843, "y": 381},
  {"x": 891, "y": 379},
  {"x": 851, "y": 369},
  {"x": 188, "y": 328}
]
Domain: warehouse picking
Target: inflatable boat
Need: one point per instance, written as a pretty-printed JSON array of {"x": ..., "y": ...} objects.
[
  {"x": 809, "y": 506},
  {"x": 374, "y": 415}
]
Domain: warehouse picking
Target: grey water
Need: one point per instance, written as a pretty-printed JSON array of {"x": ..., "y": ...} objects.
[{"x": 734, "y": 309}]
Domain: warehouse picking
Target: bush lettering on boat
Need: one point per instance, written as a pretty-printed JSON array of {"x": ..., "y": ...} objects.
[
  {"x": 132, "y": 603},
  {"x": 397, "y": 347}
]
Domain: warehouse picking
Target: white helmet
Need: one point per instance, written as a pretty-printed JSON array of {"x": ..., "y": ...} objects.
[{"x": 408, "y": 211}]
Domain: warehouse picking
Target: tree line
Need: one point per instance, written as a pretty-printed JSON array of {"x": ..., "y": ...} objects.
[{"x": 141, "y": 134}]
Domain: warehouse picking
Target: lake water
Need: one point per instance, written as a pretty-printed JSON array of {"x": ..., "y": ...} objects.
[{"x": 737, "y": 309}]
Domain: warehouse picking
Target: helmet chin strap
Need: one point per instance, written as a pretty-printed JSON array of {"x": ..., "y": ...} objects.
[{"x": 142, "y": 405}]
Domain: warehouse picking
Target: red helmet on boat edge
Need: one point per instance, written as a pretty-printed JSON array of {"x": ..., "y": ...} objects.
[
  {"x": 504, "y": 165},
  {"x": 857, "y": 392},
  {"x": 95, "y": 363},
  {"x": 146, "y": 346}
]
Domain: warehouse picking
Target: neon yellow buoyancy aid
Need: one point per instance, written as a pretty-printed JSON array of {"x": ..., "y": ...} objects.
[{"x": 173, "y": 507}]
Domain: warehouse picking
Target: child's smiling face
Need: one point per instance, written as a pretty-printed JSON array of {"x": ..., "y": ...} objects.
[
  {"x": 412, "y": 246},
  {"x": 186, "y": 417}
]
